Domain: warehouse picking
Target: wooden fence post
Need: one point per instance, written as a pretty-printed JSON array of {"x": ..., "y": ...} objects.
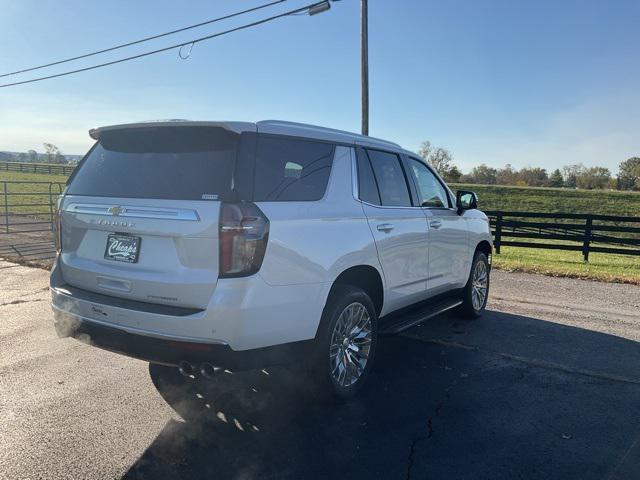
[
  {"x": 587, "y": 238},
  {"x": 498, "y": 234}
]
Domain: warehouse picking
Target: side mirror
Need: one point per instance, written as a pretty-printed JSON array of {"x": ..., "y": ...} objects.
[{"x": 466, "y": 200}]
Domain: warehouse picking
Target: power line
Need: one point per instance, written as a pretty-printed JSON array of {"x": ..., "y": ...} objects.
[
  {"x": 146, "y": 39},
  {"x": 160, "y": 50}
]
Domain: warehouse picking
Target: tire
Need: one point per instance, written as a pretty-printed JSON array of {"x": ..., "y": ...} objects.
[
  {"x": 474, "y": 300},
  {"x": 345, "y": 344}
]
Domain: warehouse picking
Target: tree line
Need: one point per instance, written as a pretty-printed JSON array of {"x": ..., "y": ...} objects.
[
  {"x": 569, "y": 176},
  {"x": 52, "y": 154}
]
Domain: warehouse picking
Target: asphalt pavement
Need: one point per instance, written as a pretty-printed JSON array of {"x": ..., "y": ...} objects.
[{"x": 545, "y": 385}]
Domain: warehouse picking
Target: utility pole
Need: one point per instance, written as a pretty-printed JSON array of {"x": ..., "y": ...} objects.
[{"x": 364, "y": 61}]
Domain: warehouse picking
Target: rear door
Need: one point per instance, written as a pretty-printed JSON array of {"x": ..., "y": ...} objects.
[
  {"x": 140, "y": 215},
  {"x": 448, "y": 234},
  {"x": 399, "y": 228}
]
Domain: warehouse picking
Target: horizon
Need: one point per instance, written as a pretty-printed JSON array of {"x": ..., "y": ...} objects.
[{"x": 544, "y": 85}]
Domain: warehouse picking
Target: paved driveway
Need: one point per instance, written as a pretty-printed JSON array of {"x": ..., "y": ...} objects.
[{"x": 546, "y": 385}]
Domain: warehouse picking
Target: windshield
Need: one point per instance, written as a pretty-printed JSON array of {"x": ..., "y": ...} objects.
[{"x": 178, "y": 163}]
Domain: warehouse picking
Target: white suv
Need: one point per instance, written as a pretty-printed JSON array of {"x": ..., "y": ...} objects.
[{"x": 228, "y": 245}]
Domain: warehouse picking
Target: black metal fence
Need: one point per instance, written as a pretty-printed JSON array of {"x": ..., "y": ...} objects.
[
  {"x": 566, "y": 231},
  {"x": 48, "y": 168},
  {"x": 27, "y": 214}
]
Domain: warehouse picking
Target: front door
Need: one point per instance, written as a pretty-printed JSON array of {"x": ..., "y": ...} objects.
[
  {"x": 448, "y": 233},
  {"x": 399, "y": 228}
]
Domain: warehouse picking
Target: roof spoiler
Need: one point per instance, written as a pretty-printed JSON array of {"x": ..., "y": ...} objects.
[{"x": 236, "y": 127}]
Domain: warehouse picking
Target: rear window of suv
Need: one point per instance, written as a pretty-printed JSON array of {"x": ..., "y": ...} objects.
[
  {"x": 176, "y": 163},
  {"x": 291, "y": 169}
]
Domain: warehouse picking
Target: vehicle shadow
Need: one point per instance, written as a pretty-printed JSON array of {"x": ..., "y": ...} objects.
[{"x": 430, "y": 408}]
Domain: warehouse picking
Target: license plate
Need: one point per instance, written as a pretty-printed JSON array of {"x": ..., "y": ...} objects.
[{"x": 122, "y": 248}]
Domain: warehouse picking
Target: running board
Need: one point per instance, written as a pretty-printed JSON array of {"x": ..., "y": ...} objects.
[{"x": 413, "y": 318}]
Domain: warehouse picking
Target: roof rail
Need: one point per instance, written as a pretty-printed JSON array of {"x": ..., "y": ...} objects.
[{"x": 301, "y": 128}]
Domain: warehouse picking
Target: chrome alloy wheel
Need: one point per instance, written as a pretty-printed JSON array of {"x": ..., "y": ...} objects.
[
  {"x": 350, "y": 344},
  {"x": 479, "y": 284}
]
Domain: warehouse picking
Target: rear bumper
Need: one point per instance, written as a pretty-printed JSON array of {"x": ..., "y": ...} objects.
[
  {"x": 169, "y": 351},
  {"x": 248, "y": 323}
]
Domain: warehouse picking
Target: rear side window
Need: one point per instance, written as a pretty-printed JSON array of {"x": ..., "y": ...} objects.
[
  {"x": 392, "y": 184},
  {"x": 367, "y": 188},
  {"x": 176, "y": 163},
  {"x": 291, "y": 169}
]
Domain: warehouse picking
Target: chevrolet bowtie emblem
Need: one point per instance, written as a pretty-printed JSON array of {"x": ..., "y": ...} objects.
[{"x": 117, "y": 210}]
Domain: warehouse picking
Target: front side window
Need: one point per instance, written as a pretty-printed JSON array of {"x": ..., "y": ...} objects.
[
  {"x": 430, "y": 191},
  {"x": 392, "y": 184},
  {"x": 291, "y": 169}
]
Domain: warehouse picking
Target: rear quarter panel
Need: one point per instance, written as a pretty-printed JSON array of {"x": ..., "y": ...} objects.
[{"x": 313, "y": 242}]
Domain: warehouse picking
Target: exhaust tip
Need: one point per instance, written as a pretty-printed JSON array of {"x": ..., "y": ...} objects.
[
  {"x": 209, "y": 371},
  {"x": 186, "y": 368}
]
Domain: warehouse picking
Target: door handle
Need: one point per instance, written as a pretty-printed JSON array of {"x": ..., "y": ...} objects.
[
  {"x": 385, "y": 227},
  {"x": 435, "y": 224}
]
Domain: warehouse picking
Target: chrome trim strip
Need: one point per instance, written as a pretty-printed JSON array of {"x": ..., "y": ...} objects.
[
  {"x": 391, "y": 207},
  {"x": 131, "y": 211},
  {"x": 356, "y": 193},
  {"x": 135, "y": 331},
  {"x": 355, "y": 188},
  {"x": 405, "y": 207}
]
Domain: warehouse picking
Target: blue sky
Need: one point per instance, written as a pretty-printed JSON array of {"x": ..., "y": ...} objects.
[{"x": 542, "y": 83}]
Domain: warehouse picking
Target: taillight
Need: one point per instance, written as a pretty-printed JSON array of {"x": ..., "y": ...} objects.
[{"x": 244, "y": 232}]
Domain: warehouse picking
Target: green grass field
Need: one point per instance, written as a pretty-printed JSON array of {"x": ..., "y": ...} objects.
[
  {"x": 31, "y": 177},
  {"x": 555, "y": 200},
  {"x": 29, "y": 193},
  {"x": 602, "y": 266}
]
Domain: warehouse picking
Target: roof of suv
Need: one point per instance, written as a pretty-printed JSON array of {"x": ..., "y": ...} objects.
[{"x": 279, "y": 127}]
